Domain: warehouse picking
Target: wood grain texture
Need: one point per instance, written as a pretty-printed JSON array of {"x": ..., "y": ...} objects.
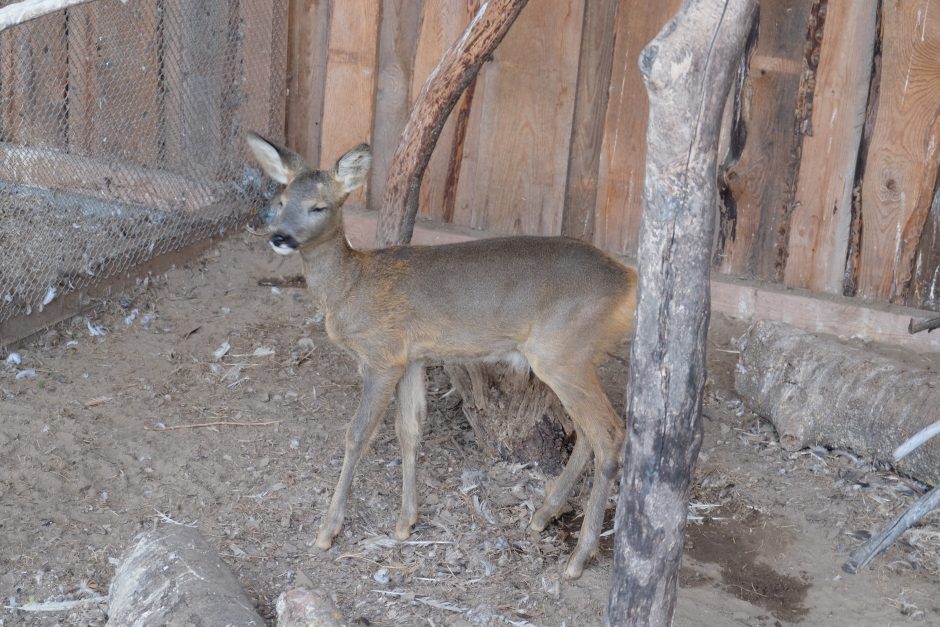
[
  {"x": 398, "y": 38},
  {"x": 590, "y": 108},
  {"x": 513, "y": 176},
  {"x": 308, "y": 34},
  {"x": 925, "y": 288},
  {"x": 33, "y": 83},
  {"x": 623, "y": 150},
  {"x": 442, "y": 23},
  {"x": 820, "y": 223},
  {"x": 115, "y": 104},
  {"x": 902, "y": 161},
  {"x": 350, "y": 77},
  {"x": 760, "y": 181}
]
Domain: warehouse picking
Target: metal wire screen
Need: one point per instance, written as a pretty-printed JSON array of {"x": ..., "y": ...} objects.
[{"x": 122, "y": 135}]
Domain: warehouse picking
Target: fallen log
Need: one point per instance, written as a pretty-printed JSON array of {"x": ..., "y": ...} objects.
[
  {"x": 817, "y": 390},
  {"x": 170, "y": 576}
]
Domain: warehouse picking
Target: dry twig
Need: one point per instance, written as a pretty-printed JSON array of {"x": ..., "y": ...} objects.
[{"x": 218, "y": 423}]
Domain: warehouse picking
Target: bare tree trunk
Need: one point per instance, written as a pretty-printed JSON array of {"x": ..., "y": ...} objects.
[
  {"x": 687, "y": 70},
  {"x": 457, "y": 69}
]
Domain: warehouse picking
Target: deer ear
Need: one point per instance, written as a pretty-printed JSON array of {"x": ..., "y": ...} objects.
[
  {"x": 353, "y": 167},
  {"x": 281, "y": 164}
]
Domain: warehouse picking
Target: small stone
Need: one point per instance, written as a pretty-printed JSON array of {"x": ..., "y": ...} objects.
[{"x": 305, "y": 606}]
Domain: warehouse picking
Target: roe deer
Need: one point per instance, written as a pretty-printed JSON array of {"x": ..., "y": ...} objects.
[{"x": 552, "y": 303}]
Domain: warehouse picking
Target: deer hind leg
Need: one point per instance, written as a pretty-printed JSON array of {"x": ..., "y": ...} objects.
[
  {"x": 557, "y": 496},
  {"x": 412, "y": 410},
  {"x": 603, "y": 432},
  {"x": 377, "y": 388}
]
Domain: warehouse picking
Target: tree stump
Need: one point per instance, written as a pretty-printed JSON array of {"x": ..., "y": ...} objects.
[
  {"x": 817, "y": 390},
  {"x": 514, "y": 416},
  {"x": 171, "y": 576}
]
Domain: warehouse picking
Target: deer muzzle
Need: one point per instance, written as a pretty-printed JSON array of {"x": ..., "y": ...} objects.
[{"x": 283, "y": 244}]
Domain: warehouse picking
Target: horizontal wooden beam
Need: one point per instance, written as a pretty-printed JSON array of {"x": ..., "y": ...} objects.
[
  {"x": 115, "y": 180},
  {"x": 749, "y": 301}
]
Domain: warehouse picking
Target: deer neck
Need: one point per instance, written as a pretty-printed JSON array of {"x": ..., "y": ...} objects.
[{"x": 330, "y": 266}]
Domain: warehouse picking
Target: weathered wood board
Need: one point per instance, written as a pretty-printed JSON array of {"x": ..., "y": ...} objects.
[
  {"x": 820, "y": 223},
  {"x": 114, "y": 66},
  {"x": 587, "y": 127},
  {"x": 398, "y": 39},
  {"x": 623, "y": 150},
  {"x": 33, "y": 83},
  {"x": 442, "y": 24},
  {"x": 348, "y": 102},
  {"x": 516, "y": 152},
  {"x": 306, "y": 68},
  {"x": 759, "y": 178},
  {"x": 901, "y": 166}
]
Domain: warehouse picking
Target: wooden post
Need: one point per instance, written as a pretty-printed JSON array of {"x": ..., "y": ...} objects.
[
  {"x": 457, "y": 68},
  {"x": 687, "y": 70}
]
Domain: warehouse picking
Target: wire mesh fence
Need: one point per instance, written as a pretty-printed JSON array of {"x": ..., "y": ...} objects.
[{"x": 122, "y": 135}]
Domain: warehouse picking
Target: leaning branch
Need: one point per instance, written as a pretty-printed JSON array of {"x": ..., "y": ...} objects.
[
  {"x": 457, "y": 68},
  {"x": 879, "y": 543}
]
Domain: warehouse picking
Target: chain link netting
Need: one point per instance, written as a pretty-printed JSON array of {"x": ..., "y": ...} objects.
[{"x": 122, "y": 130}]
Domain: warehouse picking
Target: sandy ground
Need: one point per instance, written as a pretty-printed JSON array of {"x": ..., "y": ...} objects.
[{"x": 107, "y": 440}]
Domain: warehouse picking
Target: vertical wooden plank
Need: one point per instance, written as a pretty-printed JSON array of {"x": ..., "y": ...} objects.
[
  {"x": 254, "y": 76},
  {"x": 524, "y": 127},
  {"x": 306, "y": 67},
  {"x": 398, "y": 38},
  {"x": 350, "y": 77},
  {"x": 623, "y": 149},
  {"x": 819, "y": 226},
  {"x": 113, "y": 76},
  {"x": 590, "y": 108},
  {"x": 195, "y": 38},
  {"x": 33, "y": 82},
  {"x": 442, "y": 22},
  {"x": 759, "y": 183},
  {"x": 901, "y": 168}
]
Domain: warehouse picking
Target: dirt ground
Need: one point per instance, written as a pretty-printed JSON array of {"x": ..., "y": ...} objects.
[{"x": 108, "y": 439}]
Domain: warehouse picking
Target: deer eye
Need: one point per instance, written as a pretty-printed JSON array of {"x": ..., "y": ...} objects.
[{"x": 315, "y": 209}]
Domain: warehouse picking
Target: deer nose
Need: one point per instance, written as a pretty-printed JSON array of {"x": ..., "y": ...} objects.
[{"x": 279, "y": 240}]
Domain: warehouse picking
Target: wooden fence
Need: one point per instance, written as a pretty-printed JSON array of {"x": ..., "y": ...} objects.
[{"x": 829, "y": 160}]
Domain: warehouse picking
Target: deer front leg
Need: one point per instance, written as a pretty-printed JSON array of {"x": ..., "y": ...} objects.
[
  {"x": 377, "y": 388},
  {"x": 412, "y": 410}
]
